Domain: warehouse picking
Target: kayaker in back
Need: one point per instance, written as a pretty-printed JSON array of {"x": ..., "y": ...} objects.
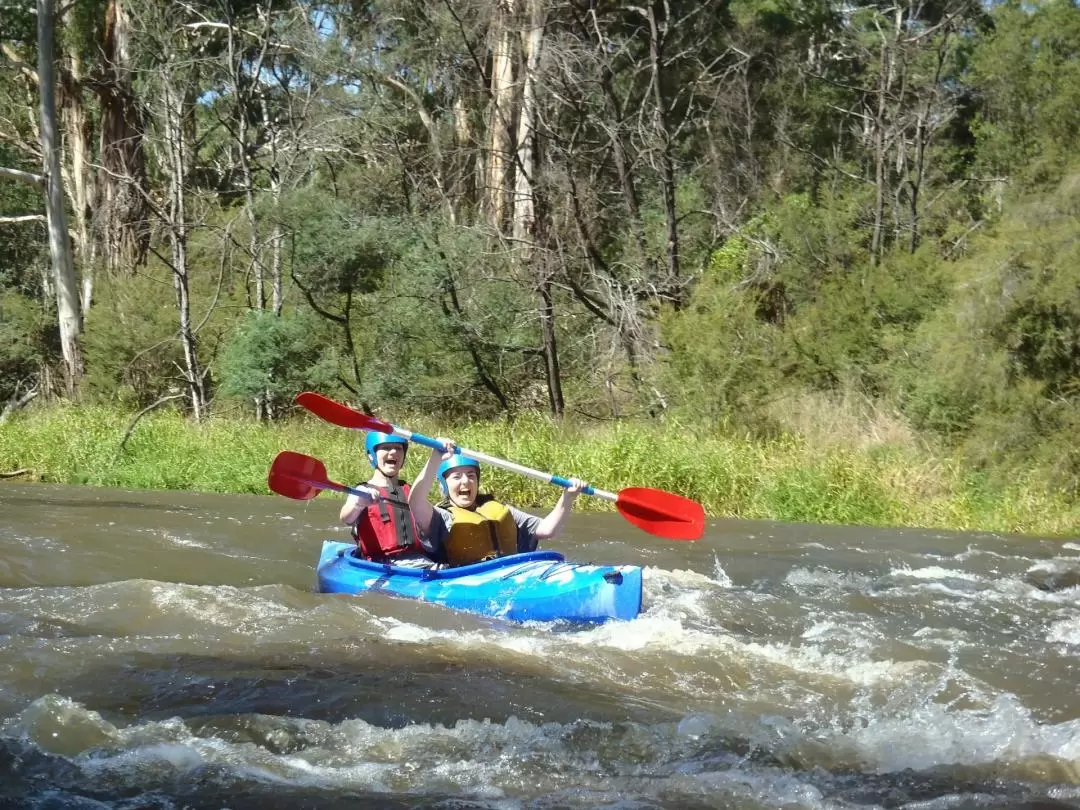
[
  {"x": 468, "y": 526},
  {"x": 382, "y": 523}
]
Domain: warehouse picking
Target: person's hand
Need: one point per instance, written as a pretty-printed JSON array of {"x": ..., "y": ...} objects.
[
  {"x": 370, "y": 491},
  {"x": 577, "y": 486},
  {"x": 449, "y": 444}
]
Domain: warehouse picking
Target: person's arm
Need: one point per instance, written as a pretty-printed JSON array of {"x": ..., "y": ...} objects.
[
  {"x": 433, "y": 539},
  {"x": 355, "y": 505},
  {"x": 550, "y": 525},
  {"x": 421, "y": 507}
]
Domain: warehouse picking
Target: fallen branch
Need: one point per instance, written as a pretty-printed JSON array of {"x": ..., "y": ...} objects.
[
  {"x": 15, "y": 473},
  {"x": 17, "y": 402},
  {"x": 140, "y": 415}
]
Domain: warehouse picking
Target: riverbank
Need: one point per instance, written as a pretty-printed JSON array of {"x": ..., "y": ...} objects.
[{"x": 788, "y": 479}]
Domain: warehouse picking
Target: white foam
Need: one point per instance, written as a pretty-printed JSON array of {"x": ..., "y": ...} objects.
[
  {"x": 681, "y": 576},
  {"x": 932, "y": 735},
  {"x": 935, "y": 572},
  {"x": 1066, "y": 631}
]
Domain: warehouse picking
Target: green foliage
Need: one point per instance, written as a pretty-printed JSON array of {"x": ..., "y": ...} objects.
[
  {"x": 133, "y": 356},
  {"x": 369, "y": 136},
  {"x": 781, "y": 479},
  {"x": 336, "y": 251},
  {"x": 28, "y": 340},
  {"x": 795, "y": 303},
  {"x": 19, "y": 23},
  {"x": 22, "y": 244},
  {"x": 998, "y": 364},
  {"x": 721, "y": 352},
  {"x": 277, "y": 357},
  {"x": 451, "y": 316},
  {"x": 1027, "y": 71}
]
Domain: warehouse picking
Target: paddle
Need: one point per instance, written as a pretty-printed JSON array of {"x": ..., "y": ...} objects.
[
  {"x": 652, "y": 510},
  {"x": 301, "y": 477}
]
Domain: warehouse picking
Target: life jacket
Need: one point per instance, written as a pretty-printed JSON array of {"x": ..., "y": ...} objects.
[
  {"x": 386, "y": 529},
  {"x": 486, "y": 530}
]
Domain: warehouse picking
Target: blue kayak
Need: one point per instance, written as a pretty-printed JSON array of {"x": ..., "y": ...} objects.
[{"x": 537, "y": 586}]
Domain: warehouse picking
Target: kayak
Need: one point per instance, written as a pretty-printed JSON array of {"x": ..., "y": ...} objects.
[{"x": 535, "y": 586}]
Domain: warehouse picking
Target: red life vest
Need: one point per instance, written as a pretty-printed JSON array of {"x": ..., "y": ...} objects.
[{"x": 386, "y": 528}]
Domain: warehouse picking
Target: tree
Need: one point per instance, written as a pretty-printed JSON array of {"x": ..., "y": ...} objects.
[{"x": 69, "y": 311}]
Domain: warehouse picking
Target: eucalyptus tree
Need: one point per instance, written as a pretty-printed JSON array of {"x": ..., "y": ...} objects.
[{"x": 41, "y": 81}]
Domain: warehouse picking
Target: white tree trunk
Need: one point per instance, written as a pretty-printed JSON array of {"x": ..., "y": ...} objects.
[
  {"x": 69, "y": 315},
  {"x": 500, "y": 117},
  {"x": 176, "y": 149},
  {"x": 81, "y": 191},
  {"x": 524, "y": 211}
]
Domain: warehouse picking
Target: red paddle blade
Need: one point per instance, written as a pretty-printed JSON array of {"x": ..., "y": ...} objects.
[
  {"x": 662, "y": 513},
  {"x": 295, "y": 475},
  {"x": 342, "y": 415}
]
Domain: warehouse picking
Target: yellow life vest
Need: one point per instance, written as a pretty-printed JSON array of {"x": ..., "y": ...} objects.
[{"x": 480, "y": 533}]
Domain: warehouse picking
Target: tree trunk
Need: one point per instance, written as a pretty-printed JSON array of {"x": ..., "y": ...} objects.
[
  {"x": 122, "y": 209},
  {"x": 551, "y": 350},
  {"x": 525, "y": 210},
  {"x": 500, "y": 117},
  {"x": 242, "y": 99},
  {"x": 464, "y": 168},
  {"x": 79, "y": 131},
  {"x": 657, "y": 37},
  {"x": 69, "y": 315},
  {"x": 880, "y": 136},
  {"x": 176, "y": 150}
]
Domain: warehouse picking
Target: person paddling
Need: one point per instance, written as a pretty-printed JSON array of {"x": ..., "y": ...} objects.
[
  {"x": 382, "y": 523},
  {"x": 468, "y": 526}
]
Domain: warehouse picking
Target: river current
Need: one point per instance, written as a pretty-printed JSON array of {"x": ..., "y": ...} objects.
[{"x": 167, "y": 650}]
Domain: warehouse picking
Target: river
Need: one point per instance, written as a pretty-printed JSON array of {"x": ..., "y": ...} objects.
[{"x": 166, "y": 650}]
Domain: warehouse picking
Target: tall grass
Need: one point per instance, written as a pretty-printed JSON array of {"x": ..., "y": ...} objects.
[{"x": 788, "y": 479}]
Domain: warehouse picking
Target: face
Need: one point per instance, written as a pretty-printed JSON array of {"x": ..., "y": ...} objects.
[
  {"x": 462, "y": 486},
  {"x": 389, "y": 459}
]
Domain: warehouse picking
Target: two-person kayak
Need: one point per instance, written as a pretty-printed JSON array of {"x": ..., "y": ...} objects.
[{"x": 535, "y": 586}]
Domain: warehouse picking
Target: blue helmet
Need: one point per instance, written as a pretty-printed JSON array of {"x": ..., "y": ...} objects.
[
  {"x": 452, "y": 463},
  {"x": 374, "y": 439}
]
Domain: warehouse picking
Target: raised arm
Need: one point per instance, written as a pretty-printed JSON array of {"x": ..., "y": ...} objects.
[
  {"x": 421, "y": 507},
  {"x": 550, "y": 525}
]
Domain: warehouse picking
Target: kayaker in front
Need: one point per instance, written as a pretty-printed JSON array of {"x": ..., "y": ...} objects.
[
  {"x": 382, "y": 523},
  {"x": 469, "y": 526}
]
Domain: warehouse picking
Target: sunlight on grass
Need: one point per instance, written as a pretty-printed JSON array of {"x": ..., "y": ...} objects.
[{"x": 789, "y": 478}]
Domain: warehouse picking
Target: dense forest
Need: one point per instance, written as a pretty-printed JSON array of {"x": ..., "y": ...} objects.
[{"x": 721, "y": 211}]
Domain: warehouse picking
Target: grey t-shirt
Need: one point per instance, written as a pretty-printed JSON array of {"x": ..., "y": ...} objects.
[{"x": 442, "y": 519}]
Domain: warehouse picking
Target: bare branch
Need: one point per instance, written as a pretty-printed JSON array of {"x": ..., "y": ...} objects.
[
  {"x": 22, "y": 218},
  {"x": 18, "y": 62},
  {"x": 16, "y": 402},
  {"x": 36, "y": 180}
]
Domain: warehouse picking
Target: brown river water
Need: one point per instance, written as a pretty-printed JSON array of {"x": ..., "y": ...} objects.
[{"x": 167, "y": 650}]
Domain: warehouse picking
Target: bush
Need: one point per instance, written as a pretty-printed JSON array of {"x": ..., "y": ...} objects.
[{"x": 276, "y": 357}]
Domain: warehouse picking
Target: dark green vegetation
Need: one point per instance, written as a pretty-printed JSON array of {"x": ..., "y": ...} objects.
[{"x": 850, "y": 231}]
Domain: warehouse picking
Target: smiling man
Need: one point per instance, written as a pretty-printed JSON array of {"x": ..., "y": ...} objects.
[{"x": 469, "y": 526}]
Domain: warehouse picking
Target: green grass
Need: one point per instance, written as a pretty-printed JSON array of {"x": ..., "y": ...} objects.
[{"x": 787, "y": 479}]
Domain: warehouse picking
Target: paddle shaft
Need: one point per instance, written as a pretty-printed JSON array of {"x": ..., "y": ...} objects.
[
  {"x": 557, "y": 480},
  {"x": 332, "y": 485},
  {"x": 653, "y": 510}
]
